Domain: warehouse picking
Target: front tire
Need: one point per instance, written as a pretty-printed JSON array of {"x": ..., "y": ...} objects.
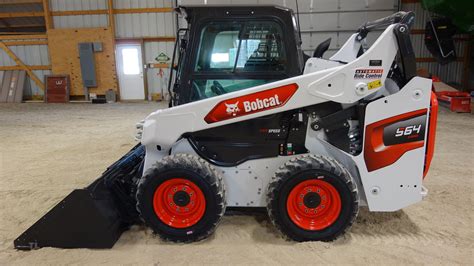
[
  {"x": 312, "y": 198},
  {"x": 182, "y": 198}
]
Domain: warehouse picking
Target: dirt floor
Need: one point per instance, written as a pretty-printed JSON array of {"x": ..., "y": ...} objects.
[{"x": 48, "y": 150}]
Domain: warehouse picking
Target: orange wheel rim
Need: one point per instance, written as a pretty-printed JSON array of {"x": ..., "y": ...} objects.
[
  {"x": 313, "y": 204},
  {"x": 179, "y": 203}
]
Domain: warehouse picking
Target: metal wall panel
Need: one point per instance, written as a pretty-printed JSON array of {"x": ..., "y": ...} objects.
[
  {"x": 145, "y": 25},
  {"x": 156, "y": 82},
  {"x": 142, "y": 3},
  {"x": 30, "y": 55},
  {"x": 83, "y": 21},
  {"x": 451, "y": 72},
  {"x": 67, "y": 5},
  {"x": 35, "y": 90}
]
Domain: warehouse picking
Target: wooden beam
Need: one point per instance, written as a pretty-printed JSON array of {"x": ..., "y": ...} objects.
[
  {"x": 79, "y": 12},
  {"x": 19, "y": 26},
  {"x": 19, "y": 2},
  {"x": 17, "y": 33},
  {"x": 115, "y": 11},
  {"x": 466, "y": 64},
  {"x": 48, "y": 20},
  {"x": 128, "y": 40},
  {"x": 35, "y": 67},
  {"x": 24, "y": 37},
  {"x": 20, "y": 14},
  {"x": 159, "y": 39},
  {"x": 24, "y": 43},
  {"x": 146, "y": 39},
  {"x": 457, "y": 38},
  {"x": 417, "y": 31},
  {"x": 159, "y": 65},
  {"x": 111, "y": 16},
  {"x": 110, "y": 6},
  {"x": 22, "y": 65},
  {"x": 433, "y": 60},
  {"x": 143, "y": 10}
]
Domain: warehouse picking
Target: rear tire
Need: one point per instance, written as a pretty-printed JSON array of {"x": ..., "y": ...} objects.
[
  {"x": 312, "y": 198},
  {"x": 181, "y": 198}
]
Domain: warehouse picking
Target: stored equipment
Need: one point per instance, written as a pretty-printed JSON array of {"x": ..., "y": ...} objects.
[{"x": 257, "y": 124}]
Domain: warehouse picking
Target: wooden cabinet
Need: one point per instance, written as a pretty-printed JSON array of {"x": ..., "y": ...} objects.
[{"x": 57, "y": 88}]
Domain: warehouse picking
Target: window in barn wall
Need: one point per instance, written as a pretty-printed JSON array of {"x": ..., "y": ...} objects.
[{"x": 131, "y": 66}]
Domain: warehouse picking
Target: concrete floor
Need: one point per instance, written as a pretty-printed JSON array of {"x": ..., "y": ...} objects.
[{"x": 48, "y": 150}]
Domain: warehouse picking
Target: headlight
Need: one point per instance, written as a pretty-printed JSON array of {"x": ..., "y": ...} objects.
[{"x": 139, "y": 126}]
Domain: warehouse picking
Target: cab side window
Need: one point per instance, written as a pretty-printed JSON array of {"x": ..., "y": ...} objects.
[{"x": 241, "y": 47}]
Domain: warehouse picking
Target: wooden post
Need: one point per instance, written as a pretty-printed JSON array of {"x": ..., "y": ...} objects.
[
  {"x": 110, "y": 9},
  {"x": 22, "y": 65},
  {"x": 466, "y": 61},
  {"x": 47, "y": 15},
  {"x": 111, "y": 16}
]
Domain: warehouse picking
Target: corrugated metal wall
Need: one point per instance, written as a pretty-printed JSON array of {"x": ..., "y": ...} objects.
[
  {"x": 83, "y": 21},
  {"x": 148, "y": 25},
  {"x": 144, "y": 24},
  {"x": 30, "y": 55},
  {"x": 319, "y": 19},
  {"x": 451, "y": 72}
]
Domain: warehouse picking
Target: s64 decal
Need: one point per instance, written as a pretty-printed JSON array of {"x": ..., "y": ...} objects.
[
  {"x": 404, "y": 131},
  {"x": 388, "y": 139},
  {"x": 408, "y": 131}
]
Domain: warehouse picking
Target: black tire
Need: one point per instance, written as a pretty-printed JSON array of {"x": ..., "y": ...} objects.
[
  {"x": 202, "y": 175},
  {"x": 312, "y": 167}
]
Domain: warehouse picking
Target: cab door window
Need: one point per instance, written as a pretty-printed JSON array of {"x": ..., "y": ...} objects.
[{"x": 241, "y": 47}]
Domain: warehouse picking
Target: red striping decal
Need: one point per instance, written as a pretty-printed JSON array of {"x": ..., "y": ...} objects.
[
  {"x": 251, "y": 103},
  {"x": 376, "y": 154},
  {"x": 431, "y": 133}
]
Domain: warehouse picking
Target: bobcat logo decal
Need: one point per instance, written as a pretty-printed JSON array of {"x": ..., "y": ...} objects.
[
  {"x": 232, "y": 109},
  {"x": 247, "y": 104}
]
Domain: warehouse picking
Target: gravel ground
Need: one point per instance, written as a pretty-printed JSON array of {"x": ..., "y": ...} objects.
[{"x": 48, "y": 150}]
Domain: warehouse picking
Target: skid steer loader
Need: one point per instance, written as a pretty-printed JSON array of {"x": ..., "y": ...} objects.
[{"x": 255, "y": 123}]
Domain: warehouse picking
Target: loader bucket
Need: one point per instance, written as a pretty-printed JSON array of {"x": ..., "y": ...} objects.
[{"x": 93, "y": 217}]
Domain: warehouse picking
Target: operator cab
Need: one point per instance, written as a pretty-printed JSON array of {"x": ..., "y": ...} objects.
[{"x": 230, "y": 48}]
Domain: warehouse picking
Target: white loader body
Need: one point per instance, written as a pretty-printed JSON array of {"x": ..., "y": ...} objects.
[{"x": 387, "y": 188}]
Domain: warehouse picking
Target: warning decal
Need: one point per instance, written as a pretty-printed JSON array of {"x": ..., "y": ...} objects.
[{"x": 374, "y": 84}]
